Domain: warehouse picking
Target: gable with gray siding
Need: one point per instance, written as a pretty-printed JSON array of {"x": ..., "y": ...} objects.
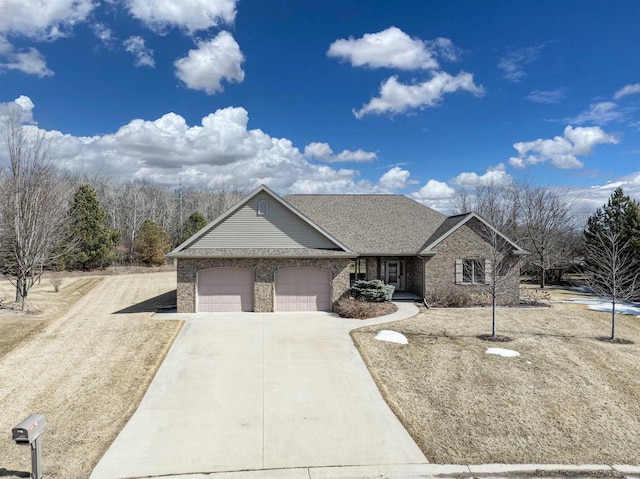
[{"x": 279, "y": 228}]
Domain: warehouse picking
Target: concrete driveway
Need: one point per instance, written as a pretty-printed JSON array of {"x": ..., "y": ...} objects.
[{"x": 249, "y": 391}]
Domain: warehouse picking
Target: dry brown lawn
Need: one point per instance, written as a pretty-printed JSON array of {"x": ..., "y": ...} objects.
[
  {"x": 568, "y": 399},
  {"x": 83, "y": 357}
]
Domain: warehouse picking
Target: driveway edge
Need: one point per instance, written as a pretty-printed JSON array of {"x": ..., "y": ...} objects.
[{"x": 416, "y": 471}]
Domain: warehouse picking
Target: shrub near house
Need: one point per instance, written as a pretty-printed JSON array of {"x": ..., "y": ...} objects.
[
  {"x": 366, "y": 299},
  {"x": 372, "y": 291}
]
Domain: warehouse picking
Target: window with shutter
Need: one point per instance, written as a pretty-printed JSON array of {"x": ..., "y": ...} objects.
[
  {"x": 458, "y": 271},
  {"x": 487, "y": 271},
  {"x": 473, "y": 271}
]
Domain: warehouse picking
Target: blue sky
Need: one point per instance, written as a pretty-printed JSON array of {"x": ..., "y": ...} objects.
[{"x": 415, "y": 97}]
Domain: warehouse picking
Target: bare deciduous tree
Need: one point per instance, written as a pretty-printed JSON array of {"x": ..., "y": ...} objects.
[
  {"x": 33, "y": 206},
  {"x": 546, "y": 223},
  {"x": 497, "y": 203},
  {"x": 613, "y": 270},
  {"x": 500, "y": 265}
]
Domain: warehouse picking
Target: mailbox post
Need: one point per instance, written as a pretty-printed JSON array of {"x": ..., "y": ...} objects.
[{"x": 29, "y": 432}]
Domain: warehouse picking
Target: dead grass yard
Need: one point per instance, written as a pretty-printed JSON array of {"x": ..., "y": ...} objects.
[
  {"x": 83, "y": 357},
  {"x": 568, "y": 399}
]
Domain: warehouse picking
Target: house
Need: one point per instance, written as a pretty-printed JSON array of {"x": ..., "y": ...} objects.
[{"x": 302, "y": 252}]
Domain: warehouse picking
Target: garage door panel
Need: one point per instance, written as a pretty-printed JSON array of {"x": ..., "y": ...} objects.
[
  {"x": 225, "y": 290},
  {"x": 303, "y": 289}
]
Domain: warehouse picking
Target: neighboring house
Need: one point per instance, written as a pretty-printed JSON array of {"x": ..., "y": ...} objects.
[{"x": 301, "y": 253}]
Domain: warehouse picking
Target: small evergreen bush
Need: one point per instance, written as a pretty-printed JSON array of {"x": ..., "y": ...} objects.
[{"x": 373, "y": 291}]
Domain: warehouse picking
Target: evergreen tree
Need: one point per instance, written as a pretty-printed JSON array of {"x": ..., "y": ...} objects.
[
  {"x": 151, "y": 244},
  {"x": 192, "y": 225},
  {"x": 95, "y": 242},
  {"x": 620, "y": 216},
  {"x": 612, "y": 251}
]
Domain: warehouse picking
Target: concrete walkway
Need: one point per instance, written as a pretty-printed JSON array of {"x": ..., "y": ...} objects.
[{"x": 258, "y": 392}]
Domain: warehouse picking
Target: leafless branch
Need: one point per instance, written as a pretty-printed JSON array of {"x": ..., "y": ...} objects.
[{"x": 613, "y": 270}]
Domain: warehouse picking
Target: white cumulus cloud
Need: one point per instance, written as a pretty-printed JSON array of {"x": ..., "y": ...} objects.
[
  {"x": 210, "y": 63},
  {"x": 394, "y": 179},
  {"x": 561, "y": 151},
  {"x": 392, "y": 48},
  {"x": 29, "y": 61},
  {"x": 437, "y": 195},
  {"x": 220, "y": 150},
  {"x": 434, "y": 190},
  {"x": 143, "y": 55},
  {"x": 396, "y": 97},
  {"x": 22, "y": 105},
  {"x": 323, "y": 152},
  {"x": 494, "y": 176},
  {"x": 42, "y": 20},
  {"x": 318, "y": 151},
  {"x": 25, "y": 103},
  {"x": 188, "y": 15},
  {"x": 632, "y": 89}
]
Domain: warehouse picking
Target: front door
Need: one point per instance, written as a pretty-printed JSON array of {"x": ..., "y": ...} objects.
[{"x": 393, "y": 274}]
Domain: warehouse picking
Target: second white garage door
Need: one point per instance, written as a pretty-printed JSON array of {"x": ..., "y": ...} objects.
[
  {"x": 223, "y": 290},
  {"x": 303, "y": 289}
]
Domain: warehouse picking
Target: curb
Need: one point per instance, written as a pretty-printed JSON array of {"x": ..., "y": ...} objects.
[{"x": 421, "y": 471}]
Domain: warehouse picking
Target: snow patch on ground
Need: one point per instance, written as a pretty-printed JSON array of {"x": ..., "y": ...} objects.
[
  {"x": 581, "y": 289},
  {"x": 596, "y": 304},
  {"x": 507, "y": 353},
  {"x": 391, "y": 336}
]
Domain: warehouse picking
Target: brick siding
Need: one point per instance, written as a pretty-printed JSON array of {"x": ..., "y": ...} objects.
[
  {"x": 264, "y": 270},
  {"x": 462, "y": 244}
]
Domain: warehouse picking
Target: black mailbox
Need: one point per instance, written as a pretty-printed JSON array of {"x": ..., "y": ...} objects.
[{"x": 30, "y": 429}]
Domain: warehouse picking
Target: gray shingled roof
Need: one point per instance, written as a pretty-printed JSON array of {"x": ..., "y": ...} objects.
[
  {"x": 446, "y": 226},
  {"x": 372, "y": 224},
  {"x": 259, "y": 253}
]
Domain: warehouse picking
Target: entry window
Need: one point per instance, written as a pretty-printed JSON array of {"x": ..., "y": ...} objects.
[
  {"x": 263, "y": 207},
  {"x": 472, "y": 271},
  {"x": 357, "y": 270}
]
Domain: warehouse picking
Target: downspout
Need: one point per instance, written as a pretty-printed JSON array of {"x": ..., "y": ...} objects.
[{"x": 424, "y": 285}]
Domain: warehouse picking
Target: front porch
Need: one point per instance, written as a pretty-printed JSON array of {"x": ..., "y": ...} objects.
[
  {"x": 404, "y": 273},
  {"x": 405, "y": 296}
]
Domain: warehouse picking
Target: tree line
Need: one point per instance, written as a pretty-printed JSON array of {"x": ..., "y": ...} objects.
[{"x": 52, "y": 219}]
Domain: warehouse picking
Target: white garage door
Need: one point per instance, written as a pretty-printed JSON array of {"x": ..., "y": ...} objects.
[
  {"x": 225, "y": 290},
  {"x": 303, "y": 289}
]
